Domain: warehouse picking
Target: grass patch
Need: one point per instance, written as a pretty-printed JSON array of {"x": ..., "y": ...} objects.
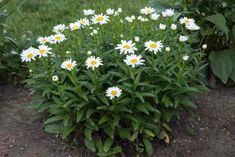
[{"x": 38, "y": 17}]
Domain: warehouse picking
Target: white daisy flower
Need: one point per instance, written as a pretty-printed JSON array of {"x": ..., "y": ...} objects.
[
  {"x": 133, "y": 60},
  {"x": 100, "y": 19},
  {"x": 43, "y": 40},
  {"x": 89, "y": 52},
  {"x": 130, "y": 18},
  {"x": 57, "y": 38},
  {"x": 155, "y": 16},
  {"x": 168, "y": 12},
  {"x": 119, "y": 10},
  {"x": 116, "y": 13},
  {"x": 192, "y": 26},
  {"x": 59, "y": 28},
  {"x": 147, "y": 10},
  {"x": 185, "y": 20},
  {"x": 183, "y": 38},
  {"x": 93, "y": 62},
  {"x": 153, "y": 46},
  {"x": 162, "y": 26},
  {"x": 185, "y": 57},
  {"x": 84, "y": 22},
  {"x": 95, "y": 31},
  {"x": 88, "y": 12},
  {"x": 68, "y": 64},
  {"x": 167, "y": 49},
  {"x": 43, "y": 51},
  {"x": 74, "y": 26},
  {"x": 137, "y": 39},
  {"x": 126, "y": 47},
  {"x": 113, "y": 92},
  {"x": 142, "y": 19},
  {"x": 68, "y": 52},
  {"x": 110, "y": 11},
  {"x": 204, "y": 46},
  {"x": 55, "y": 78},
  {"x": 29, "y": 54},
  {"x": 173, "y": 26}
]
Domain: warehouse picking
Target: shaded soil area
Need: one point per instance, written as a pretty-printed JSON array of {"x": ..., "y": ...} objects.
[{"x": 206, "y": 132}]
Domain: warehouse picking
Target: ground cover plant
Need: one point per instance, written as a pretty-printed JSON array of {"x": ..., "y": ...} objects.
[
  {"x": 217, "y": 21},
  {"x": 115, "y": 77},
  {"x": 11, "y": 68}
]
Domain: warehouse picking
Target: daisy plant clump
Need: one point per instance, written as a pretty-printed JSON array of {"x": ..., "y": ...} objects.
[{"x": 116, "y": 79}]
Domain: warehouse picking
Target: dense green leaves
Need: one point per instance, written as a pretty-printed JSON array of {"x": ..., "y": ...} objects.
[
  {"x": 152, "y": 94},
  {"x": 222, "y": 64},
  {"x": 90, "y": 144},
  {"x": 148, "y": 147},
  {"x": 220, "y": 22}
]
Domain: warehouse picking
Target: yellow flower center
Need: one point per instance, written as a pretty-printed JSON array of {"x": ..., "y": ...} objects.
[
  {"x": 42, "y": 51},
  {"x": 75, "y": 27},
  {"x": 153, "y": 45},
  {"x": 93, "y": 62},
  {"x": 114, "y": 93},
  {"x": 148, "y": 11},
  {"x": 58, "y": 38},
  {"x": 44, "y": 40},
  {"x": 126, "y": 46},
  {"x": 69, "y": 65},
  {"x": 30, "y": 55},
  {"x": 100, "y": 18},
  {"x": 186, "y": 21},
  {"x": 82, "y": 21},
  {"x": 134, "y": 61}
]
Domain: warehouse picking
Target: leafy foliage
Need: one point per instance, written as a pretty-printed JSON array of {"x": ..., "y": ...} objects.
[
  {"x": 152, "y": 94},
  {"x": 217, "y": 23},
  {"x": 11, "y": 68}
]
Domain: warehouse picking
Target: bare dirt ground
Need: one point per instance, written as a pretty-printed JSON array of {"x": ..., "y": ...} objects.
[{"x": 206, "y": 132}]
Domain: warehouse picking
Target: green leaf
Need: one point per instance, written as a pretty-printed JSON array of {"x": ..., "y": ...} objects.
[
  {"x": 107, "y": 144},
  {"x": 167, "y": 127},
  {"x": 148, "y": 147},
  {"x": 221, "y": 64},
  {"x": 124, "y": 133},
  {"x": 140, "y": 96},
  {"x": 88, "y": 133},
  {"x": 134, "y": 136},
  {"x": 90, "y": 144},
  {"x": 149, "y": 132},
  {"x": 168, "y": 114},
  {"x": 98, "y": 142},
  {"x": 117, "y": 149},
  {"x": 79, "y": 115},
  {"x": 104, "y": 119},
  {"x": 220, "y": 22},
  {"x": 90, "y": 112},
  {"x": 142, "y": 108},
  {"x": 53, "y": 128},
  {"x": 53, "y": 119},
  {"x": 187, "y": 103},
  {"x": 67, "y": 130},
  {"x": 110, "y": 132}
]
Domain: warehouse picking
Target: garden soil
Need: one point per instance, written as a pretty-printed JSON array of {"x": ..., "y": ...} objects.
[{"x": 208, "y": 131}]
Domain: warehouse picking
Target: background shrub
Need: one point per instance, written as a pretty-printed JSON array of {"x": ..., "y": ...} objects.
[
  {"x": 11, "y": 68},
  {"x": 217, "y": 21}
]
